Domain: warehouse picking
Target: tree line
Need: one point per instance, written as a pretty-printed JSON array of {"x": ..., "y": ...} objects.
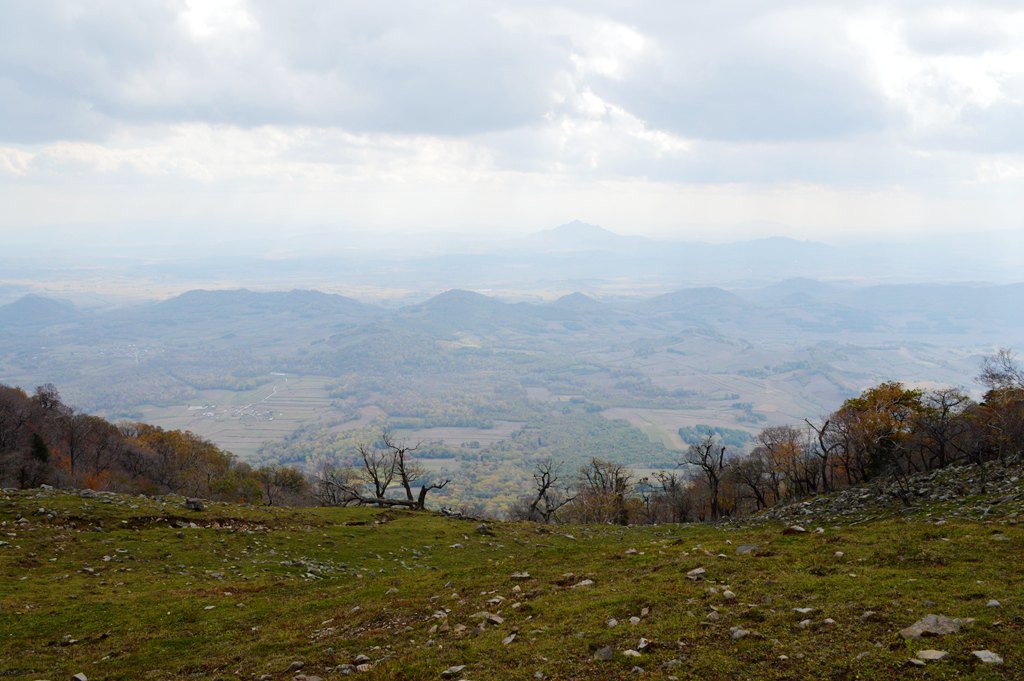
[
  {"x": 888, "y": 431},
  {"x": 45, "y": 441}
]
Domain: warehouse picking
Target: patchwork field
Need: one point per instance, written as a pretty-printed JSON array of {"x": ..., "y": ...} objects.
[{"x": 241, "y": 421}]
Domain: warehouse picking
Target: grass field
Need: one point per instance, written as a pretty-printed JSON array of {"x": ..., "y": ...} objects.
[{"x": 122, "y": 587}]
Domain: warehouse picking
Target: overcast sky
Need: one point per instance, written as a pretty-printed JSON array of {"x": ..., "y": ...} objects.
[{"x": 672, "y": 118}]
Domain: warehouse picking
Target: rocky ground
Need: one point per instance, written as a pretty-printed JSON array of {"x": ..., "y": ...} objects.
[{"x": 853, "y": 585}]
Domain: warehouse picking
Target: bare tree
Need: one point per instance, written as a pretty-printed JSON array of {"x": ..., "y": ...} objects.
[
  {"x": 1001, "y": 371},
  {"x": 604, "y": 486},
  {"x": 380, "y": 466},
  {"x": 826, "y": 445},
  {"x": 550, "y": 497},
  {"x": 942, "y": 427},
  {"x": 408, "y": 471},
  {"x": 749, "y": 472},
  {"x": 709, "y": 457}
]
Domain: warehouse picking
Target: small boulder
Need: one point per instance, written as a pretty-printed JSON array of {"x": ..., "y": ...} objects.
[
  {"x": 934, "y": 625},
  {"x": 932, "y": 655},
  {"x": 987, "y": 656}
]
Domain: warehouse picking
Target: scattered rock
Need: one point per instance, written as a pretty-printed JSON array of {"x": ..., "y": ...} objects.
[
  {"x": 993, "y": 603},
  {"x": 452, "y": 671},
  {"x": 932, "y": 655},
  {"x": 520, "y": 575},
  {"x": 913, "y": 662},
  {"x": 987, "y": 656},
  {"x": 612, "y": 623},
  {"x": 794, "y": 529},
  {"x": 361, "y": 659},
  {"x": 744, "y": 549},
  {"x": 604, "y": 654},
  {"x": 728, "y": 595},
  {"x": 508, "y": 639},
  {"x": 934, "y": 625},
  {"x": 81, "y": 677},
  {"x": 585, "y": 582},
  {"x": 713, "y": 616},
  {"x": 294, "y": 667},
  {"x": 740, "y": 633},
  {"x": 696, "y": 573}
]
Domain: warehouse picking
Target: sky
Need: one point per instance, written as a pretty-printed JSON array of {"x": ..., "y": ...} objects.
[{"x": 733, "y": 119}]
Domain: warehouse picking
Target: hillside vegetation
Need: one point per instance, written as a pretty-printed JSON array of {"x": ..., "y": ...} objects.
[{"x": 133, "y": 587}]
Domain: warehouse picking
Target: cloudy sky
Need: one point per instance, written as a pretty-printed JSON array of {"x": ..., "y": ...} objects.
[{"x": 672, "y": 118}]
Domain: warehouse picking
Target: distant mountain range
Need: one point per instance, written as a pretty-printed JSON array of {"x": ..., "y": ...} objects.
[{"x": 974, "y": 310}]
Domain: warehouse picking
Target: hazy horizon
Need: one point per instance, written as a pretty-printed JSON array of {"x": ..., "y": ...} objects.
[{"x": 221, "y": 124}]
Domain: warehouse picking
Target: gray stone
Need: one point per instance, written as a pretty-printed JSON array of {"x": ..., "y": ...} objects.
[
  {"x": 932, "y": 655},
  {"x": 294, "y": 667},
  {"x": 79, "y": 677},
  {"x": 987, "y": 656},
  {"x": 452, "y": 671},
  {"x": 696, "y": 573},
  {"x": 604, "y": 654},
  {"x": 993, "y": 603},
  {"x": 794, "y": 529},
  {"x": 934, "y": 625},
  {"x": 362, "y": 659},
  {"x": 740, "y": 633}
]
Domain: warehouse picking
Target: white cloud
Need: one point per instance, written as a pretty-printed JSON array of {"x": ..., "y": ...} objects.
[{"x": 830, "y": 115}]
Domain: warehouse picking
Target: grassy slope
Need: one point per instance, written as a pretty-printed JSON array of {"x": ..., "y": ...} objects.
[{"x": 142, "y": 613}]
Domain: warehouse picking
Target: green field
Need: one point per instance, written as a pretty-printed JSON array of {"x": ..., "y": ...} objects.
[{"x": 120, "y": 587}]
